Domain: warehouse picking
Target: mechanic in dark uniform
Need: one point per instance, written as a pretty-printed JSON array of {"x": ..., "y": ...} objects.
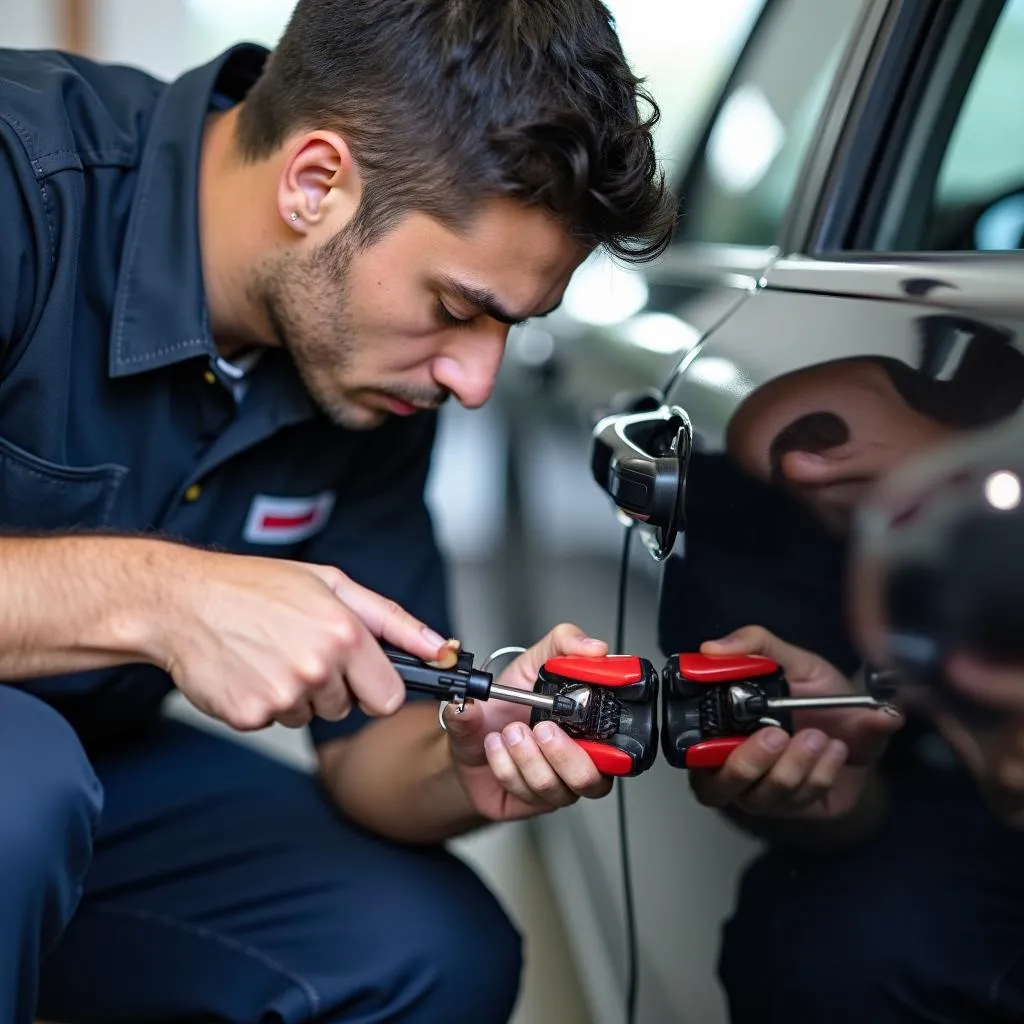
[{"x": 229, "y": 309}]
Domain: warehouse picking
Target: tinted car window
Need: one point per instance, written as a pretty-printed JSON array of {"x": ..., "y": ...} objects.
[
  {"x": 959, "y": 186},
  {"x": 978, "y": 197},
  {"x": 685, "y": 51},
  {"x": 761, "y": 132}
]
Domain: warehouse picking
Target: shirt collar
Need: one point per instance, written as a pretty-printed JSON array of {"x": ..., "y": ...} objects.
[{"x": 160, "y": 314}]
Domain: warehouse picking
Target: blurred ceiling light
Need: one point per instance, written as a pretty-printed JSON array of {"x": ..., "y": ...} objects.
[
  {"x": 1003, "y": 490},
  {"x": 237, "y": 11},
  {"x": 714, "y": 372},
  {"x": 745, "y": 141},
  {"x": 531, "y": 345},
  {"x": 229, "y": 20},
  {"x": 661, "y": 333},
  {"x": 602, "y": 293}
]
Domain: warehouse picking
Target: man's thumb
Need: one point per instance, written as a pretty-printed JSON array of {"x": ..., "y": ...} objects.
[
  {"x": 462, "y": 724},
  {"x": 465, "y": 734}
]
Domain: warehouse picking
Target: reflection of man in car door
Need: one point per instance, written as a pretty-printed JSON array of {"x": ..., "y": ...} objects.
[
  {"x": 889, "y": 893},
  {"x": 827, "y": 432},
  {"x": 829, "y": 457}
]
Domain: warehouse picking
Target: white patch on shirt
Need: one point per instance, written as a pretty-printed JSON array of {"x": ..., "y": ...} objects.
[{"x": 287, "y": 520}]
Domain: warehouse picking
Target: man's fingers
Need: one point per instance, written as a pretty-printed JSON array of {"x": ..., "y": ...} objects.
[
  {"x": 993, "y": 686},
  {"x": 385, "y": 619},
  {"x": 296, "y": 718},
  {"x": 506, "y": 771},
  {"x": 744, "y": 768},
  {"x": 797, "y": 663},
  {"x": 964, "y": 743},
  {"x": 534, "y": 768},
  {"x": 801, "y": 777},
  {"x": 762, "y": 780},
  {"x": 779, "y": 788},
  {"x": 866, "y": 733},
  {"x": 564, "y": 639},
  {"x": 333, "y": 701},
  {"x": 571, "y": 763},
  {"x": 372, "y": 679},
  {"x": 824, "y": 774},
  {"x": 464, "y": 733}
]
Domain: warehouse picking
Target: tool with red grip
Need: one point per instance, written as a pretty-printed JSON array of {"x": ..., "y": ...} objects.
[
  {"x": 712, "y": 704},
  {"x": 698, "y": 727},
  {"x": 607, "y": 705},
  {"x": 617, "y": 698}
]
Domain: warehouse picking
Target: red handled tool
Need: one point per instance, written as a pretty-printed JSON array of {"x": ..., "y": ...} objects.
[
  {"x": 607, "y": 705},
  {"x": 616, "y": 698},
  {"x": 712, "y": 704}
]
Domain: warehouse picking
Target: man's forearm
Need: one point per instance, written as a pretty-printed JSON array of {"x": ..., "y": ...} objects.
[
  {"x": 70, "y": 604},
  {"x": 395, "y": 777},
  {"x": 823, "y": 834}
]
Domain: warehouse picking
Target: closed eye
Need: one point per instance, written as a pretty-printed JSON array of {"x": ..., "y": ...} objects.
[{"x": 449, "y": 319}]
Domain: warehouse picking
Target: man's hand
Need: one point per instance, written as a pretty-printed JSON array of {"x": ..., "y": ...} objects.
[
  {"x": 510, "y": 771},
  {"x": 994, "y": 754},
  {"x": 252, "y": 641},
  {"x": 818, "y": 773}
]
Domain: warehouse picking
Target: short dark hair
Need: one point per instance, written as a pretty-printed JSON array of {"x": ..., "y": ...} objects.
[{"x": 445, "y": 103}]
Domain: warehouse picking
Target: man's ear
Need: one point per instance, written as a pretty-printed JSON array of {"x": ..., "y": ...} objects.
[
  {"x": 319, "y": 183},
  {"x": 816, "y": 469}
]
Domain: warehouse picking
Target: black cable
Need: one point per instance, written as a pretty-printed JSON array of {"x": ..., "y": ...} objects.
[
  {"x": 627, "y": 875},
  {"x": 620, "y": 600}
]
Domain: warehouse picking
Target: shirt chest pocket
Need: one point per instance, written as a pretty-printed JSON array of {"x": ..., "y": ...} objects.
[{"x": 37, "y": 495}]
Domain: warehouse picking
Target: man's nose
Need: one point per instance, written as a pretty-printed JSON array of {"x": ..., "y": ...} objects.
[{"x": 469, "y": 368}]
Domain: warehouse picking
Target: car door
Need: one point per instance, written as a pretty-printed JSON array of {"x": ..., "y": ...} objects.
[
  {"x": 892, "y": 323},
  {"x": 735, "y": 202}
]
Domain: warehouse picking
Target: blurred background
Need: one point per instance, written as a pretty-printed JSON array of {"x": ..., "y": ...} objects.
[{"x": 531, "y": 539}]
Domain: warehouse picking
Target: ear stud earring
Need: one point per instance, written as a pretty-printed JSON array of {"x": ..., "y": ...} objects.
[{"x": 295, "y": 216}]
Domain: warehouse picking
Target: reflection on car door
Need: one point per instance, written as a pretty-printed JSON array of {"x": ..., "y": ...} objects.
[{"x": 734, "y": 203}]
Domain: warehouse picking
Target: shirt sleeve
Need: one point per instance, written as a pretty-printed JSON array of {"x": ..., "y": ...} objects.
[
  {"x": 25, "y": 250},
  {"x": 381, "y": 534}
]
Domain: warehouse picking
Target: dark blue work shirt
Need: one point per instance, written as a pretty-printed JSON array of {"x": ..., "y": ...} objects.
[{"x": 114, "y": 413}]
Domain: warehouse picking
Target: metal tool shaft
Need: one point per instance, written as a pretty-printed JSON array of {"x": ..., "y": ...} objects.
[
  {"x": 533, "y": 700},
  {"x": 559, "y": 706},
  {"x": 808, "y": 703}
]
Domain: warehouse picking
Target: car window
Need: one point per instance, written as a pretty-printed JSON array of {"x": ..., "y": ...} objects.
[
  {"x": 745, "y": 177},
  {"x": 965, "y": 190},
  {"x": 684, "y": 50}
]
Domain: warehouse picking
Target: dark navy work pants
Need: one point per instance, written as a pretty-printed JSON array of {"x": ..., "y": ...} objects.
[
  {"x": 923, "y": 924},
  {"x": 186, "y": 878}
]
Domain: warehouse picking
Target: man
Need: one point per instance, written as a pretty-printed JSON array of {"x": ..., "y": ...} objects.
[
  {"x": 230, "y": 309},
  {"x": 889, "y": 893}
]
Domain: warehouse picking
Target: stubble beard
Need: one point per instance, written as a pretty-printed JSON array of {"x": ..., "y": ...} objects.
[{"x": 321, "y": 341}]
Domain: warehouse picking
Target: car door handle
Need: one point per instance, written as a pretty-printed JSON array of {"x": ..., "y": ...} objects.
[{"x": 640, "y": 460}]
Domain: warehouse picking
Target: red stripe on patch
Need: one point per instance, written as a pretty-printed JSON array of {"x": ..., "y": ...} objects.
[{"x": 286, "y": 522}]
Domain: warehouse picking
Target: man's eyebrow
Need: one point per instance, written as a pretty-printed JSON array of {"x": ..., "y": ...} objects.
[{"x": 487, "y": 302}]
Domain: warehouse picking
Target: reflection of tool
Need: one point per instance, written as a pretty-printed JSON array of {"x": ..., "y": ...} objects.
[
  {"x": 711, "y": 705},
  {"x": 937, "y": 553},
  {"x": 607, "y": 705}
]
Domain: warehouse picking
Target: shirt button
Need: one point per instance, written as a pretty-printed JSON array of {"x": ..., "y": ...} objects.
[
  {"x": 210, "y": 377},
  {"x": 193, "y": 492}
]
